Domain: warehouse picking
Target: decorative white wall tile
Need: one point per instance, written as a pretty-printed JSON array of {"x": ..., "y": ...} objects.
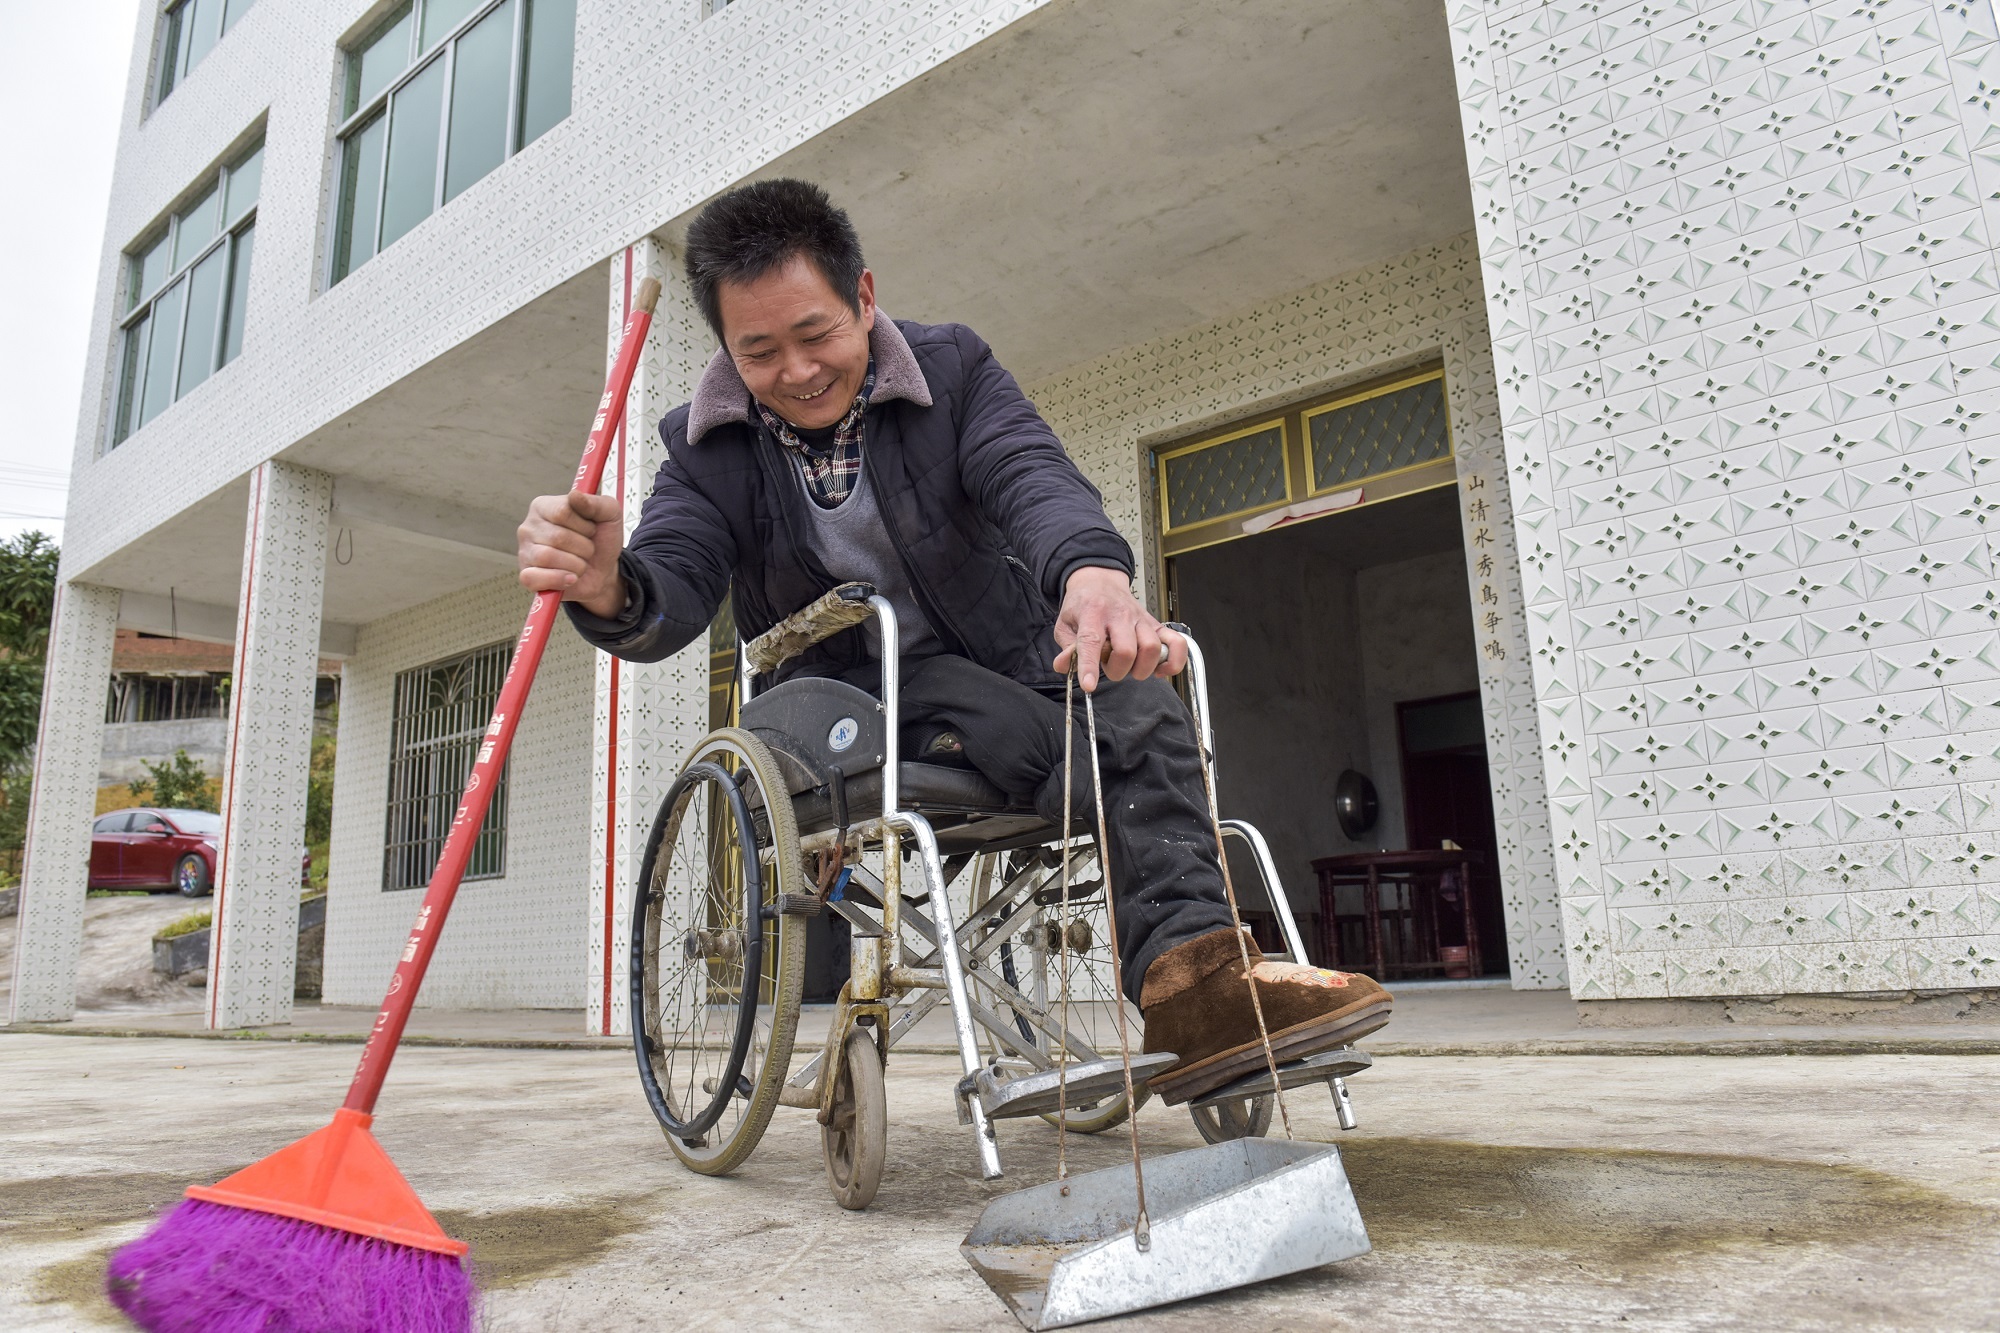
[
  {"x": 1424, "y": 305},
  {"x": 55, "y": 870},
  {"x": 1739, "y": 268},
  {"x": 254, "y": 946},
  {"x": 516, "y": 941}
]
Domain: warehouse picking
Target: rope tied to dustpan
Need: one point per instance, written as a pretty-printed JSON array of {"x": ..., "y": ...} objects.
[{"x": 1142, "y": 1226}]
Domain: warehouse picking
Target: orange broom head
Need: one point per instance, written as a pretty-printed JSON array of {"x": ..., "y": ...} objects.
[{"x": 337, "y": 1177}]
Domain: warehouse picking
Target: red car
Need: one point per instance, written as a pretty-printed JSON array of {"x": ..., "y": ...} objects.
[{"x": 159, "y": 849}]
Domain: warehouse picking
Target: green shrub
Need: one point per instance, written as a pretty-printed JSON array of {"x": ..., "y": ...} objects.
[
  {"x": 182, "y": 784},
  {"x": 186, "y": 925}
]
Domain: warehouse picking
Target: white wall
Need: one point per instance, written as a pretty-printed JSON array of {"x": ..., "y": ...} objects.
[
  {"x": 1741, "y": 277},
  {"x": 517, "y": 941}
]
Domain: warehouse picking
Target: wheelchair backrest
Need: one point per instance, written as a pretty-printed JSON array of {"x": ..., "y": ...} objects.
[{"x": 825, "y": 726}]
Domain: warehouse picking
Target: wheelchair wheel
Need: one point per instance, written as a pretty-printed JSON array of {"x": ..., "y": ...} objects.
[
  {"x": 716, "y": 969},
  {"x": 1242, "y": 1118},
  {"x": 856, "y": 1140},
  {"x": 1031, "y": 962}
]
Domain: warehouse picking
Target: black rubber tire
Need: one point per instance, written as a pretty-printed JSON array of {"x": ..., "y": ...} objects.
[
  {"x": 856, "y": 1142},
  {"x": 713, "y": 1083},
  {"x": 1225, "y": 1122},
  {"x": 191, "y": 877}
]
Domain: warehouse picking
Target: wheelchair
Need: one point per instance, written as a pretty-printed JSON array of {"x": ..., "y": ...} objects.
[{"x": 807, "y": 807}]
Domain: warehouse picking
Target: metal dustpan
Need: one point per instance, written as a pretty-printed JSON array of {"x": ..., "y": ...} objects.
[{"x": 1222, "y": 1216}]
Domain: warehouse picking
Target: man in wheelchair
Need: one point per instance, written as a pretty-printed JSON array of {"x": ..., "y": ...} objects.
[{"x": 827, "y": 443}]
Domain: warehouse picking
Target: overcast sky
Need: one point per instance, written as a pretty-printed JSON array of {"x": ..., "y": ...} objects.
[{"x": 62, "y": 81}]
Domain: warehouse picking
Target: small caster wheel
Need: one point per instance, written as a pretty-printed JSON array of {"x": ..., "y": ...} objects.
[
  {"x": 855, "y": 1140},
  {"x": 1242, "y": 1118}
]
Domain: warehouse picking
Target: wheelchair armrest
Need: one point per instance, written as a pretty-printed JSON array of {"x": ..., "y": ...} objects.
[{"x": 840, "y": 609}]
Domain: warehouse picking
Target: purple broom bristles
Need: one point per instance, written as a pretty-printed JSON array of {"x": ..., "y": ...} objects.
[{"x": 210, "y": 1268}]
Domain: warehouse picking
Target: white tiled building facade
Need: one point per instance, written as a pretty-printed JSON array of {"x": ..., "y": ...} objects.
[{"x": 1712, "y": 287}]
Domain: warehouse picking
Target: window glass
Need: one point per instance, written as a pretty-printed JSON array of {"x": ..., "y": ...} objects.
[
  {"x": 551, "y": 43},
  {"x": 409, "y": 188},
  {"x": 162, "y": 352},
  {"x": 187, "y": 297},
  {"x": 195, "y": 228},
  {"x": 234, "y": 12},
  {"x": 244, "y": 180},
  {"x": 239, "y": 294},
  {"x": 110, "y": 823},
  {"x": 377, "y": 64},
  {"x": 360, "y": 194},
  {"x": 441, "y": 16},
  {"x": 201, "y": 29},
  {"x": 152, "y": 269},
  {"x": 131, "y": 368},
  {"x": 466, "y": 93},
  {"x": 479, "y": 81},
  {"x": 170, "y": 53},
  {"x": 204, "y": 308}
]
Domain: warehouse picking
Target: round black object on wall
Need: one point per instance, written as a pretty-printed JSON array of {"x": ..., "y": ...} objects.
[{"x": 1354, "y": 803}]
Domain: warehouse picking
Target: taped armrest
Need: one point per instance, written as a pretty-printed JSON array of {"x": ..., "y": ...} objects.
[{"x": 840, "y": 609}]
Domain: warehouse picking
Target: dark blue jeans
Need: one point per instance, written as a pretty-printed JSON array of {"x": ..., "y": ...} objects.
[{"x": 1162, "y": 853}]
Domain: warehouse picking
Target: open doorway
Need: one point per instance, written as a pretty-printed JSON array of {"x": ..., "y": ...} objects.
[{"x": 1347, "y": 643}]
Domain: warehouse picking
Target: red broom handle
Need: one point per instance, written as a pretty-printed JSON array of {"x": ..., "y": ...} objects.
[{"x": 388, "y": 1030}]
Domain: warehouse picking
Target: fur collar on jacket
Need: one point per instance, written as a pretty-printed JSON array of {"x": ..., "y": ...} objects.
[{"x": 722, "y": 397}]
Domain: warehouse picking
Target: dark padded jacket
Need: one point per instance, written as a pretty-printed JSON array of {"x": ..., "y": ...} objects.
[{"x": 988, "y": 512}]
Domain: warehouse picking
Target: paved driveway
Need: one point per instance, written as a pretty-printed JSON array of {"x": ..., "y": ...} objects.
[{"x": 1502, "y": 1193}]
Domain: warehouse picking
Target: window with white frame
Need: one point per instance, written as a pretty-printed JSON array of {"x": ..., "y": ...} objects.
[
  {"x": 185, "y": 288},
  {"x": 439, "y": 718},
  {"x": 437, "y": 95},
  {"x": 189, "y": 30}
]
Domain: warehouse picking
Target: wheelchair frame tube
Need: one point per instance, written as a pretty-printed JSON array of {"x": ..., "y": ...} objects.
[
  {"x": 919, "y": 830},
  {"x": 870, "y": 959},
  {"x": 1267, "y": 869},
  {"x": 892, "y": 686}
]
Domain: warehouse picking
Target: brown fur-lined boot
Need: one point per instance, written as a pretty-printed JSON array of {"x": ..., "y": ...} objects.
[{"x": 1196, "y": 1004}]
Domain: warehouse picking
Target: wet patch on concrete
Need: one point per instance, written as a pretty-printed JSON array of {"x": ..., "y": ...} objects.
[
  {"x": 523, "y": 1245},
  {"x": 1628, "y": 1207},
  {"x": 57, "y": 1207},
  {"x": 79, "y": 1284}
]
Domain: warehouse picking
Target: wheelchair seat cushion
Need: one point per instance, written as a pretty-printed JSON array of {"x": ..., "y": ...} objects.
[{"x": 930, "y": 788}]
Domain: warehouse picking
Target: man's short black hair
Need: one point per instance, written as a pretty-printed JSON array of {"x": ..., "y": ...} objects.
[{"x": 759, "y": 228}]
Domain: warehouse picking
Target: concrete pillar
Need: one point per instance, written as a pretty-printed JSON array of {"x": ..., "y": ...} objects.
[
  {"x": 255, "y": 942},
  {"x": 648, "y": 715},
  {"x": 55, "y": 868}
]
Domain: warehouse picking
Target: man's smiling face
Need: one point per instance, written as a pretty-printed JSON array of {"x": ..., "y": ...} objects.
[{"x": 799, "y": 347}]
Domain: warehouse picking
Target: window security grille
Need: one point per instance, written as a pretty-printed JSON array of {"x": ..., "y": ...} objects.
[{"x": 440, "y": 716}]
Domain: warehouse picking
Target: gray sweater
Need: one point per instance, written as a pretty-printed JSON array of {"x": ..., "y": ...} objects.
[{"x": 852, "y": 542}]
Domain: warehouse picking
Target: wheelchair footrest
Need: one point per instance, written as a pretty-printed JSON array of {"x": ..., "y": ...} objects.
[
  {"x": 1004, "y": 1096},
  {"x": 1321, "y": 1068}
]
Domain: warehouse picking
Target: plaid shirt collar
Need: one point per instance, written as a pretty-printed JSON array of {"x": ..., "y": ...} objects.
[{"x": 830, "y": 473}]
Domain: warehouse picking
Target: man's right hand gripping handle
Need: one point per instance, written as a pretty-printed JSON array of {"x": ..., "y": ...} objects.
[{"x": 570, "y": 544}]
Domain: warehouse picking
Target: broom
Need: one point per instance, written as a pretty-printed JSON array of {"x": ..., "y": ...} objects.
[{"x": 325, "y": 1236}]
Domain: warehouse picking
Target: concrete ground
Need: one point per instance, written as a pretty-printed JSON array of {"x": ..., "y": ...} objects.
[
  {"x": 116, "y": 981},
  {"x": 1502, "y": 1192}
]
